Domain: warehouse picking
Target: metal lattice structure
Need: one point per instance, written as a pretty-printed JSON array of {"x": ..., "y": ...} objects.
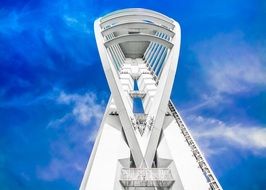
[{"x": 150, "y": 149}]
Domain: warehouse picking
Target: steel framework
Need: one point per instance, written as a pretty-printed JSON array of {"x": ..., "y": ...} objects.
[{"x": 152, "y": 149}]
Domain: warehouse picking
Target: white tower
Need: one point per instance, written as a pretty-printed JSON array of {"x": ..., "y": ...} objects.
[{"x": 151, "y": 148}]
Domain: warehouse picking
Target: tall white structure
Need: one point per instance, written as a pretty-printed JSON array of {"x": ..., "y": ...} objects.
[{"x": 150, "y": 148}]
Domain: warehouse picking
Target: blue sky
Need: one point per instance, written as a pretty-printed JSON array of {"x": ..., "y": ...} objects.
[{"x": 53, "y": 90}]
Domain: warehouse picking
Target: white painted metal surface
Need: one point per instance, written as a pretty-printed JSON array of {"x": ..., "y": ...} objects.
[{"x": 153, "y": 149}]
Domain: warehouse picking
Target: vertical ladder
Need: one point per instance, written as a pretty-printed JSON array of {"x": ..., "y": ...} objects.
[{"x": 214, "y": 184}]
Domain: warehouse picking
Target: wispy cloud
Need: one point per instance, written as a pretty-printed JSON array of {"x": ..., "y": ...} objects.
[
  {"x": 77, "y": 130},
  {"x": 85, "y": 107},
  {"x": 231, "y": 68},
  {"x": 59, "y": 168},
  {"x": 79, "y": 22},
  {"x": 243, "y": 136},
  {"x": 231, "y": 64},
  {"x": 63, "y": 35}
]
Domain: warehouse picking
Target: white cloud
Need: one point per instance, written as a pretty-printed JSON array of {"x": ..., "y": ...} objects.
[
  {"x": 231, "y": 65},
  {"x": 59, "y": 168},
  {"x": 206, "y": 101},
  {"x": 75, "y": 132},
  {"x": 85, "y": 106},
  {"x": 79, "y": 22},
  {"x": 248, "y": 137}
]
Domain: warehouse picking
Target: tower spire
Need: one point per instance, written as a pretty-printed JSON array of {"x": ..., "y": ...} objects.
[{"x": 151, "y": 149}]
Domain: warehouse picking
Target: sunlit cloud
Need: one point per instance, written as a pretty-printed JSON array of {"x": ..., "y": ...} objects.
[
  {"x": 230, "y": 64},
  {"x": 243, "y": 136}
]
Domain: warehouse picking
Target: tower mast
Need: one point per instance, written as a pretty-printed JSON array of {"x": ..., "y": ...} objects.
[{"x": 146, "y": 145}]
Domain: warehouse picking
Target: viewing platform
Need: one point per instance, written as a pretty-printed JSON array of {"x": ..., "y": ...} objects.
[{"x": 146, "y": 177}]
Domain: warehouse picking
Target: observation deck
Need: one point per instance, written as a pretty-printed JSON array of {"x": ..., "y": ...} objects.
[{"x": 144, "y": 177}]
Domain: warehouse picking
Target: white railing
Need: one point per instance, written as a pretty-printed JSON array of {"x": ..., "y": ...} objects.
[
  {"x": 137, "y": 94},
  {"x": 146, "y": 177}
]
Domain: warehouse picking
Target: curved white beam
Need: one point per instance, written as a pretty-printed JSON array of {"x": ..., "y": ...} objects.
[
  {"x": 138, "y": 38},
  {"x": 162, "y": 96},
  {"x": 139, "y": 26},
  {"x": 138, "y": 17},
  {"x": 135, "y": 11},
  {"x": 124, "y": 110}
]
